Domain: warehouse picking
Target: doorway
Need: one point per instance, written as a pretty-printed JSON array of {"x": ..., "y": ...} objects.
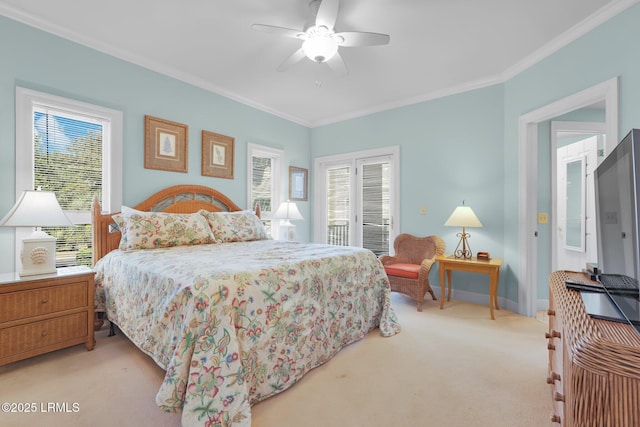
[
  {"x": 574, "y": 236},
  {"x": 356, "y": 199},
  {"x": 606, "y": 93}
]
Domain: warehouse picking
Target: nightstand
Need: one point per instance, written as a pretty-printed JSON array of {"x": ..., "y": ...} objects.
[{"x": 43, "y": 313}]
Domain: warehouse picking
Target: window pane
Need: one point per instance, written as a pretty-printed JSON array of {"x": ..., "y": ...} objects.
[
  {"x": 338, "y": 205},
  {"x": 68, "y": 161},
  {"x": 262, "y": 186}
]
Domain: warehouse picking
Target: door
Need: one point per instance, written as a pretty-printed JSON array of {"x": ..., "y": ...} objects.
[
  {"x": 575, "y": 209},
  {"x": 374, "y": 218},
  {"x": 356, "y": 200},
  {"x": 338, "y": 214}
]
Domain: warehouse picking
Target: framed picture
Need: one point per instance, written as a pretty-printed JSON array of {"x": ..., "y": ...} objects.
[
  {"x": 165, "y": 145},
  {"x": 298, "y": 183},
  {"x": 217, "y": 155}
]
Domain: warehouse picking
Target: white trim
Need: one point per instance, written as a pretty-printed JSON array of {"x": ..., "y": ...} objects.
[
  {"x": 527, "y": 162},
  {"x": 26, "y": 100},
  {"x": 596, "y": 19},
  {"x": 319, "y": 185}
]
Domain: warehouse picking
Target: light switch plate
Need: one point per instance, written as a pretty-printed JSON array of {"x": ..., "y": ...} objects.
[{"x": 543, "y": 218}]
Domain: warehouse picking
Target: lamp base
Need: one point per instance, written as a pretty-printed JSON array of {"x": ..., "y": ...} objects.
[
  {"x": 465, "y": 251},
  {"x": 287, "y": 231},
  {"x": 38, "y": 255}
]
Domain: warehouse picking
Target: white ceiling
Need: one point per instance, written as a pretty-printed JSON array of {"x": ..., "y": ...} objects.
[{"x": 437, "y": 48}]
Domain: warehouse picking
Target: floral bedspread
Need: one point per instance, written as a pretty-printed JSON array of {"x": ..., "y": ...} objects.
[{"x": 235, "y": 323}]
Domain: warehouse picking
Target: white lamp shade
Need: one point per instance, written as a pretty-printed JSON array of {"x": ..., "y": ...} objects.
[
  {"x": 287, "y": 210},
  {"x": 36, "y": 209},
  {"x": 463, "y": 216}
]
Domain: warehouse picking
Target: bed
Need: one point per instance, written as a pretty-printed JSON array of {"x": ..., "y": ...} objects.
[{"x": 235, "y": 318}]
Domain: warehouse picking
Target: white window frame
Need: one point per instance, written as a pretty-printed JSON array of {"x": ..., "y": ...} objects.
[
  {"x": 26, "y": 102},
  {"x": 276, "y": 155}
]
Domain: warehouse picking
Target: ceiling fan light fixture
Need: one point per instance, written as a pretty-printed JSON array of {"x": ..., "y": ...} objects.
[{"x": 320, "y": 45}]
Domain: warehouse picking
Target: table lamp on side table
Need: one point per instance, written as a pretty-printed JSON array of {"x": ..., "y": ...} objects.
[
  {"x": 37, "y": 209},
  {"x": 287, "y": 211},
  {"x": 463, "y": 216}
]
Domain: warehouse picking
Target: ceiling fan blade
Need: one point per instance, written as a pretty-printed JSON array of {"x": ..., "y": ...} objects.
[
  {"x": 279, "y": 31},
  {"x": 327, "y": 13},
  {"x": 293, "y": 59},
  {"x": 337, "y": 65},
  {"x": 356, "y": 38}
]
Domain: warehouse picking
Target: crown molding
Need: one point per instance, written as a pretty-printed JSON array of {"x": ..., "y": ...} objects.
[{"x": 602, "y": 15}]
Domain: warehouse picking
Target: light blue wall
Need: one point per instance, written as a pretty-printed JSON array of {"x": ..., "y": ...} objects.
[
  {"x": 458, "y": 143},
  {"x": 40, "y": 61},
  {"x": 462, "y": 147},
  {"x": 450, "y": 151},
  {"x": 606, "y": 52}
]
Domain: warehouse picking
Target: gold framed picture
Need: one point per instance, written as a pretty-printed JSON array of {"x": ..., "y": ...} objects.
[
  {"x": 165, "y": 145},
  {"x": 217, "y": 155},
  {"x": 298, "y": 183}
]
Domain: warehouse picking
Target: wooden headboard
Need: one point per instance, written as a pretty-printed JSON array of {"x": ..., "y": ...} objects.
[{"x": 176, "y": 199}]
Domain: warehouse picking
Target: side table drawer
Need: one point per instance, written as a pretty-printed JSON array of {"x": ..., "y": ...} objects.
[
  {"x": 36, "y": 335},
  {"x": 25, "y": 304}
]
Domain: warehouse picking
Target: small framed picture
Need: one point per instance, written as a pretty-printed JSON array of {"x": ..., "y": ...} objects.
[
  {"x": 217, "y": 155},
  {"x": 298, "y": 183},
  {"x": 165, "y": 145}
]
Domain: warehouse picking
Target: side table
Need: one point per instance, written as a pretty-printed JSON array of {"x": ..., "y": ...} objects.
[
  {"x": 43, "y": 313},
  {"x": 448, "y": 263}
]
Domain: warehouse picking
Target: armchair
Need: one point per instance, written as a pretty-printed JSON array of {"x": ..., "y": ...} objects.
[{"x": 408, "y": 270}]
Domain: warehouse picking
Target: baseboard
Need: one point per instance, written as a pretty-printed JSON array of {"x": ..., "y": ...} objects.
[{"x": 478, "y": 298}]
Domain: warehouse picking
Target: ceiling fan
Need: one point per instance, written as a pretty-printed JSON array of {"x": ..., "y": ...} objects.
[{"x": 320, "y": 42}]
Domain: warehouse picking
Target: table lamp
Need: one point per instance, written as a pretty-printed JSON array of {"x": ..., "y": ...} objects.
[
  {"x": 37, "y": 209},
  {"x": 463, "y": 216},
  {"x": 287, "y": 211}
]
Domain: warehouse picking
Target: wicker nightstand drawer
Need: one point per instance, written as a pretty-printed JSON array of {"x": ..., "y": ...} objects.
[
  {"x": 60, "y": 332},
  {"x": 24, "y": 304},
  {"x": 44, "y": 313}
]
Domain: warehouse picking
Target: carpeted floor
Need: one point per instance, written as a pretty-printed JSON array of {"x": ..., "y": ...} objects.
[{"x": 451, "y": 367}]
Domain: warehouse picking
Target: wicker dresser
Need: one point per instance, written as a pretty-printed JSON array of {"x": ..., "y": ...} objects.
[
  {"x": 39, "y": 314},
  {"x": 594, "y": 365}
]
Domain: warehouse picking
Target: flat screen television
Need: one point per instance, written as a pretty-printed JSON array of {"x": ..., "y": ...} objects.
[{"x": 617, "y": 185}]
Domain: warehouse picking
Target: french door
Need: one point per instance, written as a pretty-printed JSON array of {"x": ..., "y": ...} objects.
[{"x": 357, "y": 200}]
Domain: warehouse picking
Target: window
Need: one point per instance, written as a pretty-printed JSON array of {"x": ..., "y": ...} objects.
[
  {"x": 75, "y": 150},
  {"x": 264, "y": 182}
]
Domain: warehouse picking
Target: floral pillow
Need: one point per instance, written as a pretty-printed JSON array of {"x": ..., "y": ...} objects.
[
  {"x": 242, "y": 226},
  {"x": 149, "y": 230}
]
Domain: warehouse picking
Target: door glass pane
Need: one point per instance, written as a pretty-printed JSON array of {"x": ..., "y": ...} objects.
[
  {"x": 375, "y": 208},
  {"x": 338, "y": 205},
  {"x": 575, "y": 206}
]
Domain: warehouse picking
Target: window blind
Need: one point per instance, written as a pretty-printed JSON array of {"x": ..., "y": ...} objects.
[
  {"x": 338, "y": 205},
  {"x": 68, "y": 161},
  {"x": 375, "y": 207}
]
